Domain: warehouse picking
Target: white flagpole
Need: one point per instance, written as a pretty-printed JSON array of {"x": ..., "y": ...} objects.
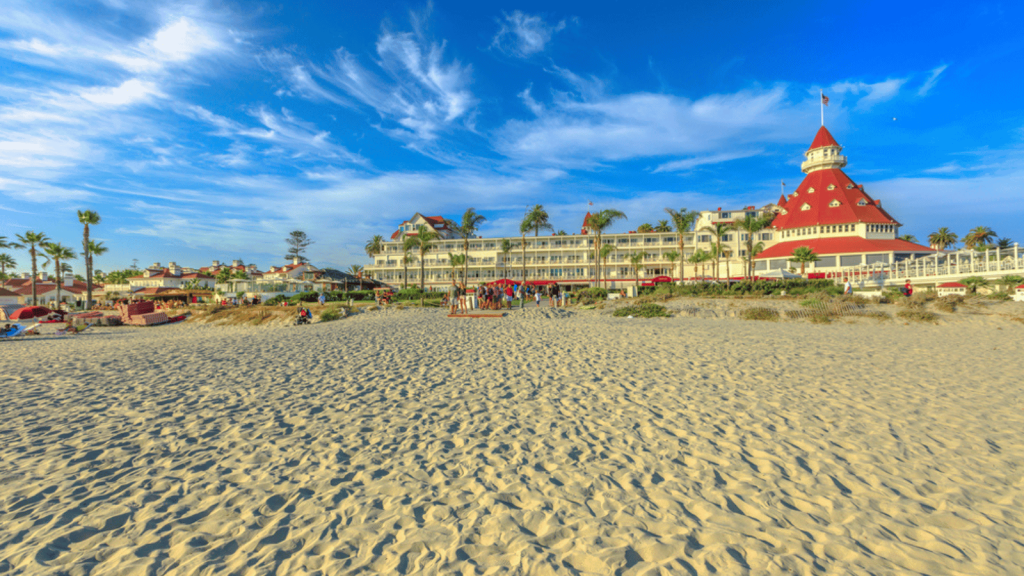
[{"x": 821, "y": 102}]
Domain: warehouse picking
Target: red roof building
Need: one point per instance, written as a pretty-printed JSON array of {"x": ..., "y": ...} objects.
[{"x": 834, "y": 216}]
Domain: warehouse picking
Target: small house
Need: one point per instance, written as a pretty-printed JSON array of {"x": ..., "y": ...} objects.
[
  {"x": 952, "y": 289},
  {"x": 1018, "y": 295}
]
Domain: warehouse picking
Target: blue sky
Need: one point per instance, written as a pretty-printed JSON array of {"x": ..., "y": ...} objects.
[{"x": 210, "y": 130}]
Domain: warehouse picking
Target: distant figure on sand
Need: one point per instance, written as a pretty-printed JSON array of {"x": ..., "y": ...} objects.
[
  {"x": 848, "y": 287},
  {"x": 453, "y": 297},
  {"x": 322, "y": 299},
  {"x": 907, "y": 289}
]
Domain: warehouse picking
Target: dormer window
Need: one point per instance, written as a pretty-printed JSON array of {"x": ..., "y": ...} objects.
[
  {"x": 849, "y": 186},
  {"x": 862, "y": 202},
  {"x": 805, "y": 207},
  {"x": 810, "y": 190},
  {"x": 831, "y": 186},
  {"x": 834, "y": 204}
]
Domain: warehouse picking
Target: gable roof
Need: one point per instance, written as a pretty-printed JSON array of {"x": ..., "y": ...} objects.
[
  {"x": 7, "y": 293},
  {"x": 844, "y": 203}
]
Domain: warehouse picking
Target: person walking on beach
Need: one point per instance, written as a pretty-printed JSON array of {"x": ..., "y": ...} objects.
[
  {"x": 848, "y": 288},
  {"x": 536, "y": 297},
  {"x": 322, "y": 299},
  {"x": 520, "y": 295},
  {"x": 453, "y": 297}
]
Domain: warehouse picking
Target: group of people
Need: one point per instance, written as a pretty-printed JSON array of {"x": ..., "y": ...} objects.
[
  {"x": 498, "y": 297},
  {"x": 907, "y": 289}
]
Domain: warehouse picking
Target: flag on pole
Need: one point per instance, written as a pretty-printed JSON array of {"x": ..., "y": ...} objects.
[
  {"x": 590, "y": 203},
  {"x": 824, "y": 99}
]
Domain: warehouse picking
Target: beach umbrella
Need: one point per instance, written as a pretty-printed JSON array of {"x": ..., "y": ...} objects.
[{"x": 30, "y": 312}]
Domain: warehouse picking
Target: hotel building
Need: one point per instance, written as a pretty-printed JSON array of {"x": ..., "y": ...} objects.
[{"x": 827, "y": 212}]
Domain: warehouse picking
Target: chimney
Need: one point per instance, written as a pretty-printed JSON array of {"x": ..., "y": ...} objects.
[
  {"x": 296, "y": 260},
  {"x": 156, "y": 266},
  {"x": 69, "y": 279},
  {"x": 216, "y": 263},
  {"x": 26, "y": 275},
  {"x": 173, "y": 269},
  {"x": 42, "y": 277},
  {"x": 235, "y": 263}
]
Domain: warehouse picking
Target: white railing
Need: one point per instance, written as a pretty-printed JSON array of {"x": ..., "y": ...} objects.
[{"x": 943, "y": 267}]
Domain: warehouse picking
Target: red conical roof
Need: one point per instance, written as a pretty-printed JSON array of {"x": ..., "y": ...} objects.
[
  {"x": 835, "y": 200},
  {"x": 823, "y": 138}
]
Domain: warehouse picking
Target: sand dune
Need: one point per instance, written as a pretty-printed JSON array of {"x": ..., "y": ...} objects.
[{"x": 546, "y": 442}]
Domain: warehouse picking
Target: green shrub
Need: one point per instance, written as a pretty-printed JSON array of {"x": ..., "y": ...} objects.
[
  {"x": 330, "y": 315},
  {"x": 276, "y": 300},
  {"x": 876, "y": 314},
  {"x": 769, "y": 314},
  {"x": 646, "y": 310},
  {"x": 820, "y": 318},
  {"x": 917, "y": 315},
  {"x": 1002, "y": 296},
  {"x": 949, "y": 304}
]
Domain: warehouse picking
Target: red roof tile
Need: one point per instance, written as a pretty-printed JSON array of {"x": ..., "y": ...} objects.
[
  {"x": 823, "y": 138},
  {"x": 845, "y": 203},
  {"x": 7, "y": 293},
  {"x": 843, "y": 245}
]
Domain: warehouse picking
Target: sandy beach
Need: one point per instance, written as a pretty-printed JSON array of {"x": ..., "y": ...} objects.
[{"x": 544, "y": 442}]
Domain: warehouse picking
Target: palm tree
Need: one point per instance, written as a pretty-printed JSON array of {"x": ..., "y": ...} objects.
[
  {"x": 561, "y": 233},
  {"x": 58, "y": 253},
  {"x": 374, "y": 246},
  {"x": 943, "y": 238},
  {"x": 32, "y": 240},
  {"x": 407, "y": 245},
  {"x": 975, "y": 282},
  {"x": 718, "y": 230},
  {"x": 95, "y": 249},
  {"x": 355, "y": 270},
  {"x": 752, "y": 225},
  {"x": 539, "y": 220},
  {"x": 423, "y": 241},
  {"x": 909, "y": 238},
  {"x": 598, "y": 223},
  {"x": 636, "y": 260},
  {"x": 1010, "y": 281},
  {"x": 87, "y": 218},
  {"x": 606, "y": 251},
  {"x": 725, "y": 252},
  {"x": 467, "y": 229},
  {"x": 506, "y": 249},
  {"x": 803, "y": 255},
  {"x": 645, "y": 228},
  {"x": 4, "y": 243},
  {"x": 524, "y": 227},
  {"x": 455, "y": 260},
  {"x": 672, "y": 257},
  {"x": 662, "y": 226},
  {"x": 1004, "y": 243},
  {"x": 683, "y": 220},
  {"x": 5, "y": 261},
  {"x": 698, "y": 257},
  {"x": 979, "y": 237}
]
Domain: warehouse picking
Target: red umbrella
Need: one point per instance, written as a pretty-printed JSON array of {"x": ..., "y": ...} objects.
[{"x": 30, "y": 312}]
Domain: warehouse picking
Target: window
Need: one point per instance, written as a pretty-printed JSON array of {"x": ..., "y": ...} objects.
[
  {"x": 849, "y": 186},
  {"x": 810, "y": 190},
  {"x": 862, "y": 202},
  {"x": 724, "y": 215},
  {"x": 727, "y": 238},
  {"x": 834, "y": 204},
  {"x": 805, "y": 207},
  {"x": 831, "y": 186}
]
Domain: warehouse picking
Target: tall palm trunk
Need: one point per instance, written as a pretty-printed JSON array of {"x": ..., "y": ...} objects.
[
  {"x": 88, "y": 267},
  {"x": 405, "y": 273},
  {"x": 57, "y": 279},
  {"x": 524, "y": 259},
  {"x": 32, "y": 252},
  {"x": 682, "y": 257},
  {"x": 465, "y": 265},
  {"x": 423, "y": 277}
]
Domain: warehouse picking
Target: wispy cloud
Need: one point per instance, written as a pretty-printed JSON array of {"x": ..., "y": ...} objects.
[
  {"x": 523, "y": 35},
  {"x": 873, "y": 93},
  {"x": 417, "y": 93},
  {"x": 691, "y": 163},
  {"x": 933, "y": 79}
]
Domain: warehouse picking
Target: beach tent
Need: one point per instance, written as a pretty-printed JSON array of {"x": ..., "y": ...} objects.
[
  {"x": 657, "y": 280},
  {"x": 7, "y": 309}
]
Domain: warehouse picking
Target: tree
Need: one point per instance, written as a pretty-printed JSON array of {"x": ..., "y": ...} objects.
[
  {"x": 718, "y": 230},
  {"x": 804, "y": 256},
  {"x": 297, "y": 243},
  {"x": 909, "y": 238},
  {"x": 374, "y": 246},
  {"x": 87, "y": 218},
  {"x": 506, "y": 249},
  {"x": 95, "y": 249},
  {"x": 455, "y": 261},
  {"x": 636, "y": 260},
  {"x": 975, "y": 282},
  {"x": 662, "y": 226},
  {"x": 672, "y": 257},
  {"x": 355, "y": 270},
  {"x": 423, "y": 241},
  {"x": 223, "y": 276},
  {"x": 752, "y": 225},
  {"x": 539, "y": 220},
  {"x": 1010, "y": 281},
  {"x": 238, "y": 274},
  {"x": 58, "y": 253},
  {"x": 524, "y": 227},
  {"x": 644, "y": 228},
  {"x": 605, "y": 252},
  {"x": 561, "y": 233},
  {"x": 1004, "y": 243},
  {"x": 4, "y": 243},
  {"x": 471, "y": 221},
  {"x": 943, "y": 238},
  {"x": 6, "y": 260},
  {"x": 979, "y": 237},
  {"x": 725, "y": 252},
  {"x": 699, "y": 257},
  {"x": 33, "y": 240},
  {"x": 598, "y": 223},
  {"x": 683, "y": 220},
  {"x": 407, "y": 245}
]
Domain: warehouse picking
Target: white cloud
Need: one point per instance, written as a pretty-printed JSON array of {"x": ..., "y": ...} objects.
[
  {"x": 419, "y": 94},
  {"x": 524, "y": 35},
  {"x": 691, "y": 163},
  {"x": 591, "y": 128},
  {"x": 129, "y": 92},
  {"x": 933, "y": 79},
  {"x": 873, "y": 93}
]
